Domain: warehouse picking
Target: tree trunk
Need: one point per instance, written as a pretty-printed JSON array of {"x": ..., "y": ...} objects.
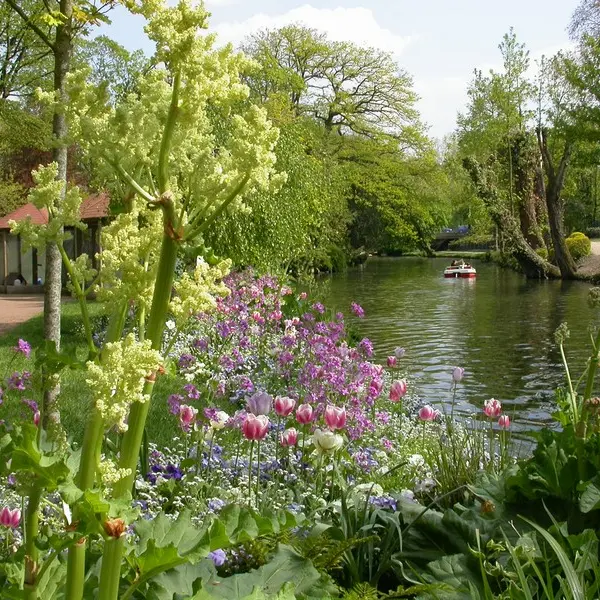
[
  {"x": 555, "y": 178},
  {"x": 524, "y": 170},
  {"x": 53, "y": 275},
  {"x": 533, "y": 265}
]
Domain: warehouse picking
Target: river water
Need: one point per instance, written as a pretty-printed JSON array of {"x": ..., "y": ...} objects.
[{"x": 499, "y": 327}]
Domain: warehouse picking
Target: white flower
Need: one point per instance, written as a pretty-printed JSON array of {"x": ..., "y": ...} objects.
[
  {"x": 220, "y": 419},
  {"x": 416, "y": 460},
  {"x": 374, "y": 489},
  {"x": 327, "y": 442}
]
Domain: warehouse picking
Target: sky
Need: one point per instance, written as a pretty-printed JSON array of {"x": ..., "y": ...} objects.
[{"x": 439, "y": 42}]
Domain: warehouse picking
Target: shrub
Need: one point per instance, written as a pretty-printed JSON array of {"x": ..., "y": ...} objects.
[
  {"x": 579, "y": 245},
  {"x": 593, "y": 232},
  {"x": 542, "y": 252}
]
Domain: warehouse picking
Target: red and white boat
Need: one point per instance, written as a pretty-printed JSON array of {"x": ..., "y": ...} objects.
[{"x": 460, "y": 269}]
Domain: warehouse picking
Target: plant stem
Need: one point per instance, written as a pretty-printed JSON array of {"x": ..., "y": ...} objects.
[
  {"x": 90, "y": 455},
  {"x": 30, "y": 534},
  {"x": 250, "y": 474},
  {"x": 257, "y": 474}
]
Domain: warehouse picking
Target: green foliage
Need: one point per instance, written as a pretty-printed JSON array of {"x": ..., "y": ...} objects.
[
  {"x": 579, "y": 245},
  {"x": 472, "y": 241},
  {"x": 593, "y": 232}
]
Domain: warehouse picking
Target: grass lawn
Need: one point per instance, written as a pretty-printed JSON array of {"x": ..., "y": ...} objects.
[{"x": 74, "y": 396}]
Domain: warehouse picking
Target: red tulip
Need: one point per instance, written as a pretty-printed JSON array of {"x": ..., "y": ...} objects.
[
  {"x": 492, "y": 408},
  {"x": 289, "y": 437},
  {"x": 398, "y": 390},
  {"x": 335, "y": 417},
  {"x": 255, "y": 427},
  {"x": 428, "y": 413},
  {"x": 504, "y": 422},
  {"x": 392, "y": 361},
  {"x": 10, "y": 518},
  {"x": 284, "y": 406},
  {"x": 304, "y": 414}
]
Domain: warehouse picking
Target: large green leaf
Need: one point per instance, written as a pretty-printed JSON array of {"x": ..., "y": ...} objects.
[
  {"x": 26, "y": 456},
  {"x": 590, "y": 498},
  {"x": 286, "y": 567},
  {"x": 454, "y": 571}
]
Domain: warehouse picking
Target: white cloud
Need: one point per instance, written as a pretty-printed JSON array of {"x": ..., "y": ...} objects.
[{"x": 356, "y": 25}]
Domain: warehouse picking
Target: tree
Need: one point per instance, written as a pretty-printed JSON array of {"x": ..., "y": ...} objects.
[
  {"x": 585, "y": 20},
  {"x": 111, "y": 65},
  {"x": 349, "y": 89},
  {"x": 25, "y": 61}
]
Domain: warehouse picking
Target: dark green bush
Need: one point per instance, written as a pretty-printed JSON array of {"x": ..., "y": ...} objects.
[{"x": 593, "y": 232}]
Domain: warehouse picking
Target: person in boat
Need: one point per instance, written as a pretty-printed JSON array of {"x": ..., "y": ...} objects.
[{"x": 454, "y": 263}]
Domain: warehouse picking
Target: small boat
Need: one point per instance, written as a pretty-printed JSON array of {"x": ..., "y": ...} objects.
[{"x": 460, "y": 269}]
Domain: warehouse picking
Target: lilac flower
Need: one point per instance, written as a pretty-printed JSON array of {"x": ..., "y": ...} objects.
[
  {"x": 366, "y": 347},
  {"x": 386, "y": 502},
  {"x": 32, "y": 404},
  {"x": 175, "y": 401},
  {"x": 19, "y": 381},
  {"x": 201, "y": 344},
  {"x": 186, "y": 361},
  {"x": 357, "y": 310},
  {"x": 23, "y": 347},
  {"x": 318, "y": 307},
  {"x": 218, "y": 557},
  {"x": 192, "y": 391}
]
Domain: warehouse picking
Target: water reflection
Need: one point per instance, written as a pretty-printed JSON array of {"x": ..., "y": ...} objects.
[{"x": 500, "y": 327}]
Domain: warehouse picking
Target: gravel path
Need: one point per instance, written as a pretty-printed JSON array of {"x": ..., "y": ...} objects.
[{"x": 16, "y": 309}]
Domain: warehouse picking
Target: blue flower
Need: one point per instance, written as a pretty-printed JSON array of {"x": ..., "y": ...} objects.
[{"x": 218, "y": 557}]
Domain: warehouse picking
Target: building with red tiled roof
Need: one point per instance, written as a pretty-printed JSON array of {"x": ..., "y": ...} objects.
[{"x": 28, "y": 268}]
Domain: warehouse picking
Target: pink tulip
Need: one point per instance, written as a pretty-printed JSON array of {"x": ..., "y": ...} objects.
[
  {"x": 504, "y": 422},
  {"x": 10, "y": 518},
  {"x": 392, "y": 361},
  {"x": 335, "y": 417},
  {"x": 255, "y": 427},
  {"x": 492, "y": 408},
  {"x": 284, "y": 406},
  {"x": 187, "y": 416},
  {"x": 398, "y": 390},
  {"x": 428, "y": 413},
  {"x": 457, "y": 374},
  {"x": 289, "y": 437},
  {"x": 304, "y": 414},
  {"x": 36, "y": 418}
]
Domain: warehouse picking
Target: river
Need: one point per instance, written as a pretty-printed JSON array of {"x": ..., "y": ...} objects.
[{"x": 499, "y": 327}]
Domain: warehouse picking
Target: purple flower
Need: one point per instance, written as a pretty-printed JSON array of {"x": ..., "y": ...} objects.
[
  {"x": 186, "y": 361},
  {"x": 175, "y": 401},
  {"x": 201, "y": 344},
  {"x": 366, "y": 347},
  {"x": 218, "y": 557},
  {"x": 215, "y": 505},
  {"x": 260, "y": 403},
  {"x": 318, "y": 307},
  {"x": 357, "y": 310},
  {"x": 23, "y": 347},
  {"x": 19, "y": 381},
  {"x": 32, "y": 404},
  {"x": 192, "y": 391}
]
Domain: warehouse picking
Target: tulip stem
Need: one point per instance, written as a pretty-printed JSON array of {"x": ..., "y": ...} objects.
[
  {"x": 257, "y": 473},
  {"x": 277, "y": 443},
  {"x": 250, "y": 474}
]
